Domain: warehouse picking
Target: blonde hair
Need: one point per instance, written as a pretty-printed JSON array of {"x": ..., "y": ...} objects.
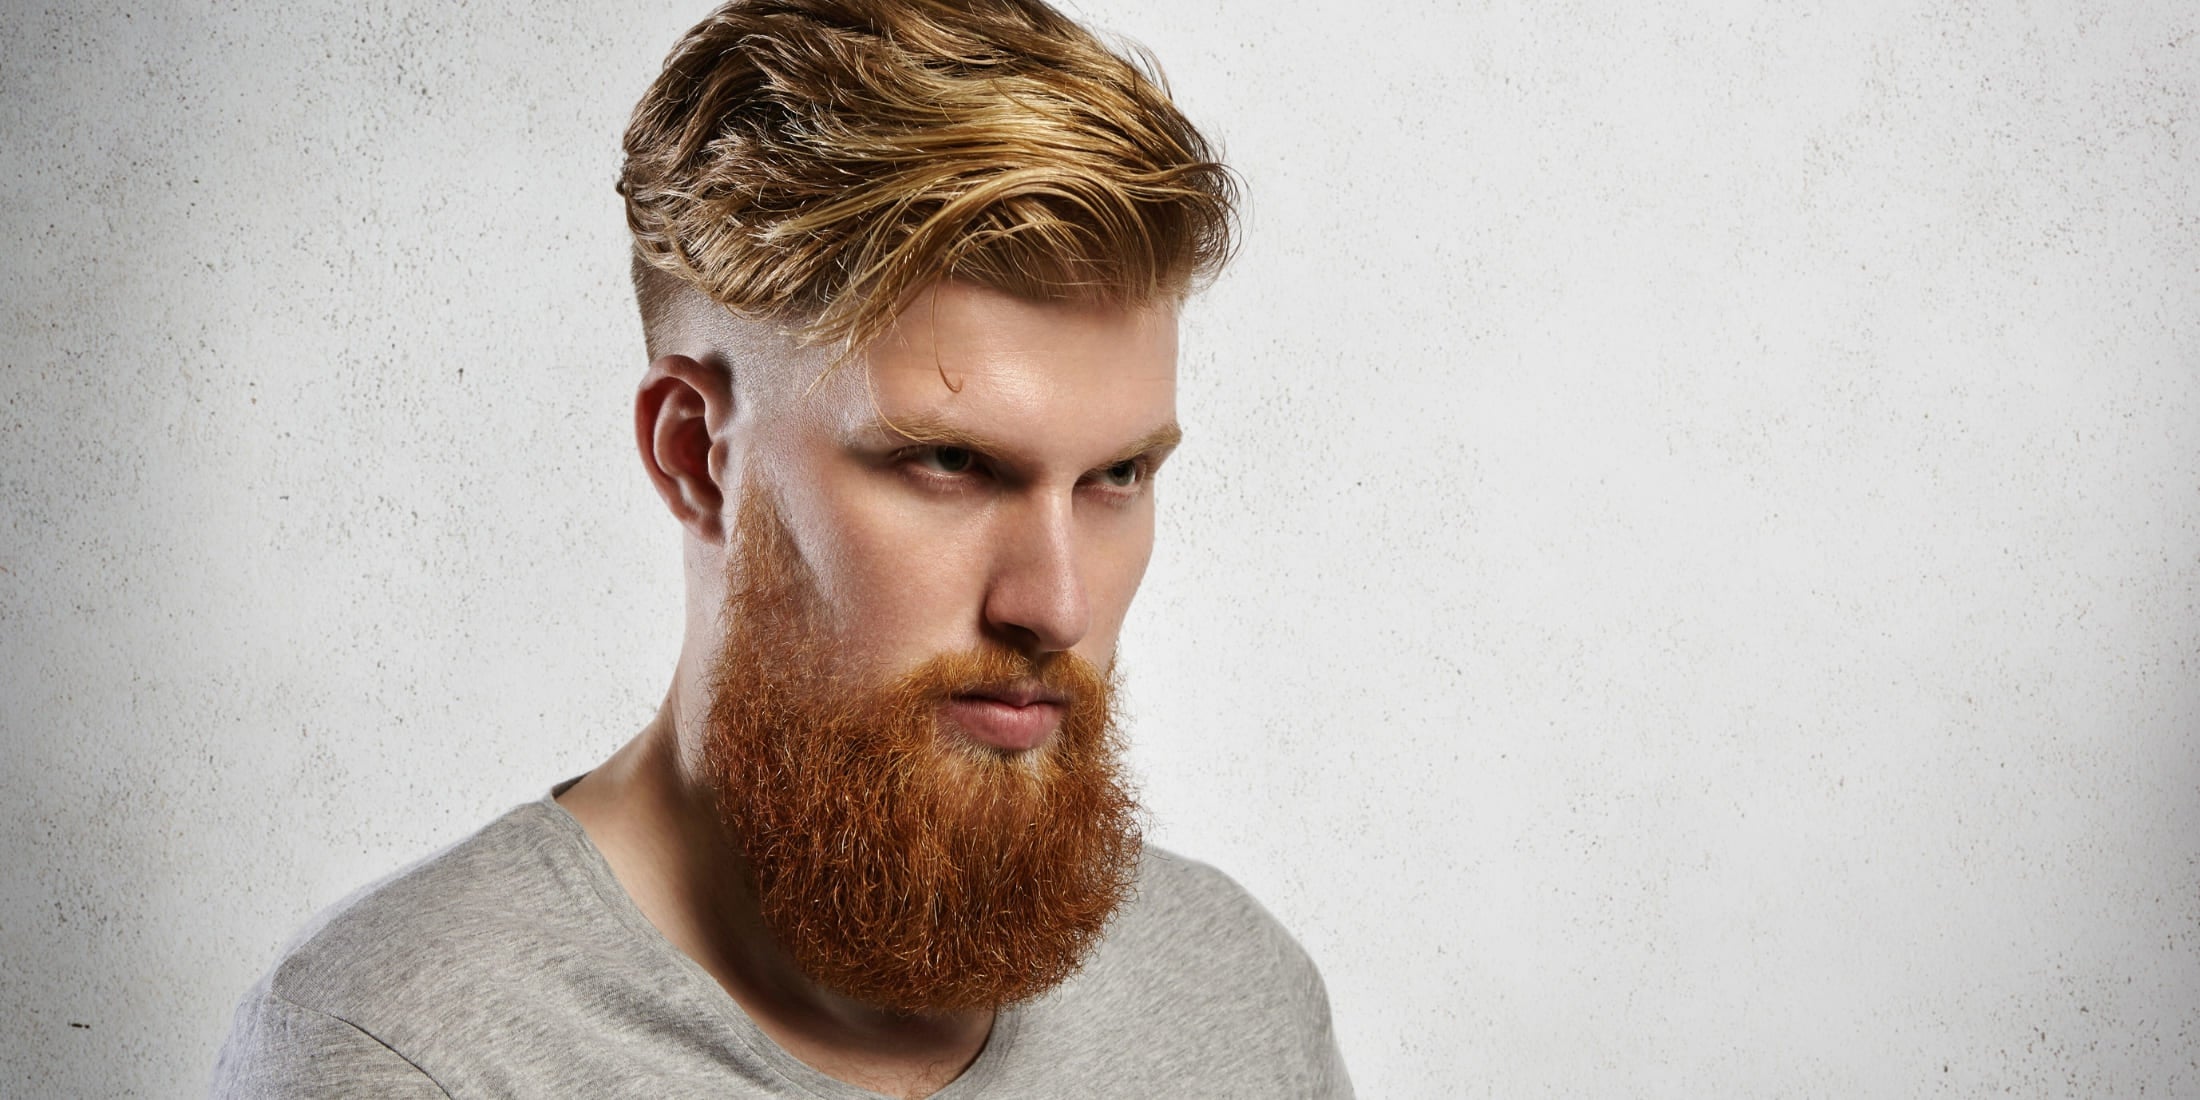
[{"x": 817, "y": 162}]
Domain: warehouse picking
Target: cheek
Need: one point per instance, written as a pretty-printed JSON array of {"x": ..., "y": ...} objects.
[
  {"x": 902, "y": 585},
  {"x": 1113, "y": 572}
]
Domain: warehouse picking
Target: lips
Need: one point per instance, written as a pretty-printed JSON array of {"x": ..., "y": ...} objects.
[{"x": 1010, "y": 718}]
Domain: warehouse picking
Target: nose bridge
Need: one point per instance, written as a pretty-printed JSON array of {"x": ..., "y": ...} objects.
[{"x": 1038, "y": 589}]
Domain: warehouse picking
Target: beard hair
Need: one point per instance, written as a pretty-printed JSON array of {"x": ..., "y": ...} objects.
[{"x": 897, "y": 864}]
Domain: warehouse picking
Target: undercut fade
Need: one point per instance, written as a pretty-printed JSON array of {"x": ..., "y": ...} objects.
[{"x": 818, "y": 162}]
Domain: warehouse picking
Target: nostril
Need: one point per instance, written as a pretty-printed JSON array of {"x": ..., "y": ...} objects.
[
  {"x": 1040, "y": 630},
  {"x": 1022, "y": 639}
]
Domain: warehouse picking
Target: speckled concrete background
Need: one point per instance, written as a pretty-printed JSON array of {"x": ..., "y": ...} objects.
[{"x": 1686, "y": 578}]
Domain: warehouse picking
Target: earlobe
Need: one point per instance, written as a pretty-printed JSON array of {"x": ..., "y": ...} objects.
[{"x": 679, "y": 416}]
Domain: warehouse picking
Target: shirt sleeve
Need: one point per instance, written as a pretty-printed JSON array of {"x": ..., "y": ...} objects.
[{"x": 278, "y": 1050}]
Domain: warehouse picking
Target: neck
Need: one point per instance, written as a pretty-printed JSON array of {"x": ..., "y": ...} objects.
[{"x": 649, "y": 809}]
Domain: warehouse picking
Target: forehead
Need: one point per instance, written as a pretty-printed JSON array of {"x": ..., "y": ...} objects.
[{"x": 1060, "y": 380}]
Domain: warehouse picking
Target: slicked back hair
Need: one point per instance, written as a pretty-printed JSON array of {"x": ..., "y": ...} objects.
[{"x": 818, "y": 162}]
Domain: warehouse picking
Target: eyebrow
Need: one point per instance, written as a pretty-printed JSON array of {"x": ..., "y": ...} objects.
[{"x": 932, "y": 431}]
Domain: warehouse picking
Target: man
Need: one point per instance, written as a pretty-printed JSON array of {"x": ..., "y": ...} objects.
[{"x": 909, "y": 273}]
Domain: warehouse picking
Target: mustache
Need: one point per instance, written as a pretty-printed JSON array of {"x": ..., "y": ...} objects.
[
  {"x": 1082, "y": 689},
  {"x": 994, "y": 670}
]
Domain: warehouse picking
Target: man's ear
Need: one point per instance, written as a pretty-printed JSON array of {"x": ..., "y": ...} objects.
[{"x": 681, "y": 417}]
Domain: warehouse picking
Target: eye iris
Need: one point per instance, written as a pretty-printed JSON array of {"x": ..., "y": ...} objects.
[
  {"x": 953, "y": 460},
  {"x": 1123, "y": 473}
]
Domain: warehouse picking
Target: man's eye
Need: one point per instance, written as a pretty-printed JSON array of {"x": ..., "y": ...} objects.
[
  {"x": 1122, "y": 475},
  {"x": 946, "y": 460}
]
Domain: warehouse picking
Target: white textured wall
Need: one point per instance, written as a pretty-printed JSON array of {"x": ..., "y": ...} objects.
[{"x": 1685, "y": 579}]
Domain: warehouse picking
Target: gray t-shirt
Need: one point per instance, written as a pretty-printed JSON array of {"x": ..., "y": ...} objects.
[{"x": 513, "y": 964}]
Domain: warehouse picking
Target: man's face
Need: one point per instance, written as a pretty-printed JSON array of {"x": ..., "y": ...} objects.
[
  {"x": 984, "y": 475},
  {"x": 908, "y": 734}
]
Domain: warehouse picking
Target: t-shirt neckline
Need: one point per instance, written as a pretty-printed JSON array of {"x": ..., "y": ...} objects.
[{"x": 619, "y": 906}]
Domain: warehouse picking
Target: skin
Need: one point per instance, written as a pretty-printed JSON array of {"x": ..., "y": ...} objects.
[{"x": 982, "y": 473}]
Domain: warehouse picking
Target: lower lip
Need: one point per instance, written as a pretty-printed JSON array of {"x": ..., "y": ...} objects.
[{"x": 999, "y": 725}]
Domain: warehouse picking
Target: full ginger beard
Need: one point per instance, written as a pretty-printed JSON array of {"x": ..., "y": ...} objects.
[{"x": 898, "y": 863}]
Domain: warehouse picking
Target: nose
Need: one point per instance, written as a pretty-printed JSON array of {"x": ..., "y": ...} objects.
[{"x": 1036, "y": 599}]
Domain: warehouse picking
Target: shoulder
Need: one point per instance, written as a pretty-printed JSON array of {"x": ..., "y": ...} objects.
[
  {"x": 359, "y": 991},
  {"x": 409, "y": 933},
  {"x": 1215, "y": 939},
  {"x": 1199, "y": 897},
  {"x": 1200, "y": 979},
  {"x": 277, "y": 1050}
]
